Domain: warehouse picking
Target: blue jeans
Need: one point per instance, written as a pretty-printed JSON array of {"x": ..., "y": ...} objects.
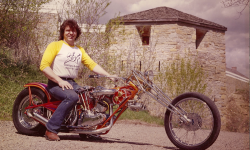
[{"x": 69, "y": 99}]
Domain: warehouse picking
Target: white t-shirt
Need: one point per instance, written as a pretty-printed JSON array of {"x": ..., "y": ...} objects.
[{"x": 65, "y": 60}]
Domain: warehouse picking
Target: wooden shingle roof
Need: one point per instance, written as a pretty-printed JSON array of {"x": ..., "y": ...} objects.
[{"x": 165, "y": 14}]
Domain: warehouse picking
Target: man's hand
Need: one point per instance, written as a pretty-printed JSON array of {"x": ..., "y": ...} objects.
[
  {"x": 65, "y": 84},
  {"x": 52, "y": 76},
  {"x": 113, "y": 78}
]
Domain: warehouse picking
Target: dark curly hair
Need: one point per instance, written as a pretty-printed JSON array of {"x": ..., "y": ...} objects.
[{"x": 72, "y": 24}]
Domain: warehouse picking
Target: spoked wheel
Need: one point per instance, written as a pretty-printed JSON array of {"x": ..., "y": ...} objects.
[
  {"x": 23, "y": 123},
  {"x": 205, "y": 123}
]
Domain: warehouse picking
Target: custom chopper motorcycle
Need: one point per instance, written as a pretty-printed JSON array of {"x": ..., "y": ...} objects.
[{"x": 192, "y": 120}]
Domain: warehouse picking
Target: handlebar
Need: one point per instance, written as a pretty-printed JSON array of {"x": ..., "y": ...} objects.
[
  {"x": 94, "y": 76},
  {"x": 103, "y": 76}
]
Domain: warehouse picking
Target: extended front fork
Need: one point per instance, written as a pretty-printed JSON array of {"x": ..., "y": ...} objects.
[{"x": 157, "y": 94}]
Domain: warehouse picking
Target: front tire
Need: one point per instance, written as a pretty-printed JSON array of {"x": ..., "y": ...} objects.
[
  {"x": 204, "y": 129},
  {"x": 23, "y": 123}
]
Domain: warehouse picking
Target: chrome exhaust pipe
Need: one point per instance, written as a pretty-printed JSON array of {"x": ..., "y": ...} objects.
[
  {"x": 36, "y": 116},
  {"x": 43, "y": 120},
  {"x": 82, "y": 131},
  {"x": 40, "y": 118}
]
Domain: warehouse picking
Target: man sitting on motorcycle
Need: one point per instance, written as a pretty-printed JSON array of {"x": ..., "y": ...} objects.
[{"x": 60, "y": 64}]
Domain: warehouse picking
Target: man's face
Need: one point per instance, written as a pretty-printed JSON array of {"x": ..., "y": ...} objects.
[{"x": 69, "y": 35}]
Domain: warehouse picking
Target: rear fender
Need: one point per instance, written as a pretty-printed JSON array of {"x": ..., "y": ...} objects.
[{"x": 41, "y": 86}]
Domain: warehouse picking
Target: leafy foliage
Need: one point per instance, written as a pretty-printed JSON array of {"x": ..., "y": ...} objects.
[
  {"x": 95, "y": 38},
  {"x": 12, "y": 78},
  {"x": 182, "y": 75},
  {"x": 19, "y": 20}
]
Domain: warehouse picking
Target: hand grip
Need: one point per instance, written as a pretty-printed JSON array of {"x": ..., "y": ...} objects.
[{"x": 93, "y": 76}]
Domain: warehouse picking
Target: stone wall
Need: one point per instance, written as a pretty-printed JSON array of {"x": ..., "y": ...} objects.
[
  {"x": 237, "y": 105},
  {"x": 170, "y": 40}
]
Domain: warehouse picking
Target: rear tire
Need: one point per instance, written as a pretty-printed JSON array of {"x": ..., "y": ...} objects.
[
  {"x": 23, "y": 123},
  {"x": 204, "y": 129}
]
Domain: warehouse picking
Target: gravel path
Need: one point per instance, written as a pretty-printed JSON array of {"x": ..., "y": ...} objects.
[{"x": 122, "y": 136}]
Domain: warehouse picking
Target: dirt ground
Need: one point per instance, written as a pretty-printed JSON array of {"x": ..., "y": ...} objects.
[{"x": 125, "y": 135}]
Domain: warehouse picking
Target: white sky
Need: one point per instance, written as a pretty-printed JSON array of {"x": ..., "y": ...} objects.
[{"x": 237, "y": 34}]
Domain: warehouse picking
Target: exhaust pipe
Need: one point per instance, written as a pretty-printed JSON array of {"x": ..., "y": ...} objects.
[
  {"x": 40, "y": 118},
  {"x": 36, "y": 116},
  {"x": 78, "y": 130}
]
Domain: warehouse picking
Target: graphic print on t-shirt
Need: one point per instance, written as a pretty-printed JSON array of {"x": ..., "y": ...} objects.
[
  {"x": 72, "y": 61},
  {"x": 72, "y": 58}
]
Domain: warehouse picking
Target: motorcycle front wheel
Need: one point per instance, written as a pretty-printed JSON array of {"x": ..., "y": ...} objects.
[
  {"x": 23, "y": 123},
  {"x": 204, "y": 127}
]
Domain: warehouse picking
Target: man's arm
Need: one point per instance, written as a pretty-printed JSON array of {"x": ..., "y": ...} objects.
[
  {"x": 99, "y": 70},
  {"x": 48, "y": 72}
]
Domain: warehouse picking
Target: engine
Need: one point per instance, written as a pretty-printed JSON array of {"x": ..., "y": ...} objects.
[{"x": 96, "y": 103}]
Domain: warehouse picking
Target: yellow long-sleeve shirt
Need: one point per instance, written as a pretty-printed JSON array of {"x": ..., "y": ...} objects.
[{"x": 65, "y": 60}]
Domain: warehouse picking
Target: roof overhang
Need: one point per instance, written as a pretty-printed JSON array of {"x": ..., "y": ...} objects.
[
  {"x": 171, "y": 20},
  {"x": 235, "y": 76}
]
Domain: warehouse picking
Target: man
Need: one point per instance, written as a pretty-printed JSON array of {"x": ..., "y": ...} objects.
[{"x": 60, "y": 64}]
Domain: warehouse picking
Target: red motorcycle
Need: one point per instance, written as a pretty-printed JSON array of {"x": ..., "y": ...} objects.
[{"x": 192, "y": 120}]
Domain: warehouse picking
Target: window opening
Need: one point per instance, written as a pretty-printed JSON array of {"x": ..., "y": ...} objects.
[
  {"x": 199, "y": 36},
  {"x": 144, "y": 32}
]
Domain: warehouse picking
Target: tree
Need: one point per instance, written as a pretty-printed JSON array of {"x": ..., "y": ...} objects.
[
  {"x": 95, "y": 37},
  {"x": 19, "y": 20},
  {"x": 236, "y": 3}
]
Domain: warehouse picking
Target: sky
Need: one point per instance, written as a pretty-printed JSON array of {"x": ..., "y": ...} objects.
[{"x": 237, "y": 34}]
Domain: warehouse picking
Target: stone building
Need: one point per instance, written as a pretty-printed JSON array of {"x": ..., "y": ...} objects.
[{"x": 164, "y": 33}]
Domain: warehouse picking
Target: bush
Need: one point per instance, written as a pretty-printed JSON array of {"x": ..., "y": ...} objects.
[
  {"x": 12, "y": 78},
  {"x": 182, "y": 75}
]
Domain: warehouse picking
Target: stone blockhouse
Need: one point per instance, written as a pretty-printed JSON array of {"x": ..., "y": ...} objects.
[{"x": 164, "y": 33}]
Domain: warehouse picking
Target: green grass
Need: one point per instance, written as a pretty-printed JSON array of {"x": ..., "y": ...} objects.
[
  {"x": 12, "y": 78},
  {"x": 143, "y": 116}
]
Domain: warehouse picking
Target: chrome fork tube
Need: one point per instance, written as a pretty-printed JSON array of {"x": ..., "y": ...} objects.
[{"x": 160, "y": 97}]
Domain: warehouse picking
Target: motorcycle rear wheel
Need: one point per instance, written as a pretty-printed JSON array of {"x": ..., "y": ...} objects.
[
  {"x": 204, "y": 129},
  {"x": 23, "y": 123}
]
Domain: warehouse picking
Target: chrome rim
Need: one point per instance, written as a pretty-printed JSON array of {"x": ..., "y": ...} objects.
[
  {"x": 201, "y": 127},
  {"x": 25, "y": 120}
]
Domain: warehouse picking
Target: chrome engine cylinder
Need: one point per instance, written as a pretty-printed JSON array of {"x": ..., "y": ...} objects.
[
  {"x": 89, "y": 119},
  {"x": 103, "y": 91}
]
